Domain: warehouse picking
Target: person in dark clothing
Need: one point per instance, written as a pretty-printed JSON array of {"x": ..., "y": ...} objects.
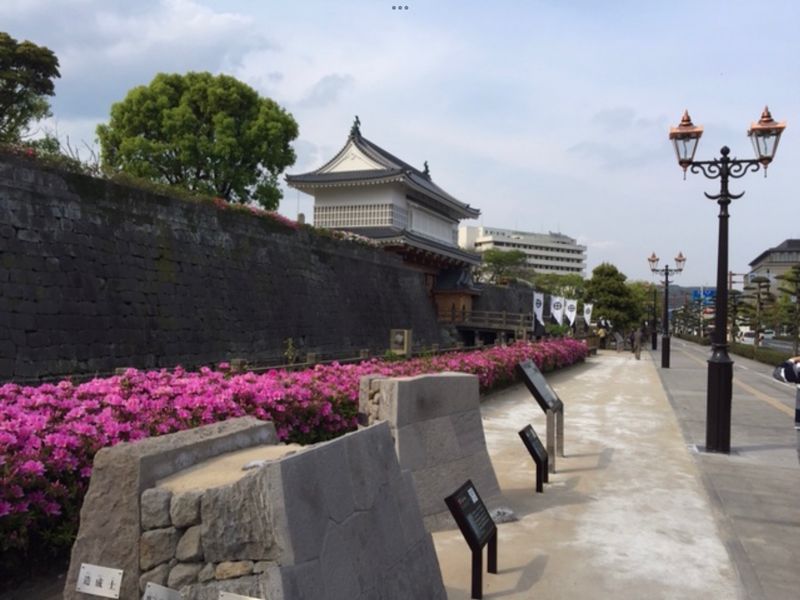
[{"x": 789, "y": 372}]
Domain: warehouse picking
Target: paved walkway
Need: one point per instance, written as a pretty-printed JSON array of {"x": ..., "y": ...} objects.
[
  {"x": 634, "y": 510},
  {"x": 756, "y": 489}
]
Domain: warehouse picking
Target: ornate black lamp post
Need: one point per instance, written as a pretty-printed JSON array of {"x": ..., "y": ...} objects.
[
  {"x": 680, "y": 260},
  {"x": 765, "y": 136},
  {"x": 654, "y": 325}
]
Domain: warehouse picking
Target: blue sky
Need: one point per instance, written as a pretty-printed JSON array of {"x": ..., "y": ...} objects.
[{"x": 546, "y": 115}]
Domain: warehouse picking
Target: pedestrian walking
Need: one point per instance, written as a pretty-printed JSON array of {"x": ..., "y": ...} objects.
[
  {"x": 637, "y": 343},
  {"x": 619, "y": 340},
  {"x": 601, "y": 333},
  {"x": 789, "y": 372}
]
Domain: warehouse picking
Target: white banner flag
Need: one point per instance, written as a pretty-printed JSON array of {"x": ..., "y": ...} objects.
[
  {"x": 538, "y": 307},
  {"x": 557, "y": 308},
  {"x": 587, "y": 313},
  {"x": 571, "y": 310}
]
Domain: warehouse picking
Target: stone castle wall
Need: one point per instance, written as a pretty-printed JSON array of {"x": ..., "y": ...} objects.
[{"x": 95, "y": 276}]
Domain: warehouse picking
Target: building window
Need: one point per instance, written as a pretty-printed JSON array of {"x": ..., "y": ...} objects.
[{"x": 365, "y": 215}]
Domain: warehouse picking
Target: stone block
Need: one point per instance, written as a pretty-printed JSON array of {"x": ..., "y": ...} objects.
[
  {"x": 372, "y": 462},
  {"x": 155, "y": 508},
  {"x": 206, "y": 573},
  {"x": 256, "y": 586},
  {"x": 183, "y": 574},
  {"x": 337, "y": 490},
  {"x": 405, "y": 497},
  {"x": 306, "y": 507},
  {"x": 158, "y": 575},
  {"x": 236, "y": 518},
  {"x": 189, "y": 547},
  {"x": 336, "y": 563},
  {"x": 468, "y": 428},
  {"x": 262, "y": 566},
  {"x": 231, "y": 569},
  {"x": 299, "y": 582},
  {"x": 184, "y": 509},
  {"x": 109, "y": 522},
  {"x": 417, "y": 575},
  {"x": 410, "y": 447},
  {"x": 157, "y": 546},
  {"x": 412, "y": 399}
]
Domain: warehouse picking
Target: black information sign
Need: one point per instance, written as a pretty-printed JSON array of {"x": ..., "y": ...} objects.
[
  {"x": 478, "y": 529},
  {"x": 538, "y": 386},
  {"x": 539, "y": 454}
]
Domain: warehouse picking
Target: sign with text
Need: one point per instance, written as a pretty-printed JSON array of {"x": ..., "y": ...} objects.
[
  {"x": 471, "y": 515},
  {"x": 232, "y": 596},
  {"x": 538, "y": 386},
  {"x": 478, "y": 529},
  {"x": 99, "y": 581},
  {"x": 153, "y": 591},
  {"x": 537, "y": 452}
]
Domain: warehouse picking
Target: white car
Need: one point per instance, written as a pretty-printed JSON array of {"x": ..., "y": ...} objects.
[
  {"x": 767, "y": 334},
  {"x": 748, "y": 338}
]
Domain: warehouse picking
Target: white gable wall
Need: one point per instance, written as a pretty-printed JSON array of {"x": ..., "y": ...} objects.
[{"x": 352, "y": 159}]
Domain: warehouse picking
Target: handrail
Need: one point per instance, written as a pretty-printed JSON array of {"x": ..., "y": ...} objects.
[{"x": 488, "y": 318}]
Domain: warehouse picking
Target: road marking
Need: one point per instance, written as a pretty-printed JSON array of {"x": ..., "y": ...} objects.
[{"x": 759, "y": 395}]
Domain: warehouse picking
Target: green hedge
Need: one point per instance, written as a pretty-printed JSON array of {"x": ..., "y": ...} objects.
[
  {"x": 703, "y": 341},
  {"x": 764, "y": 355},
  {"x": 767, "y": 356}
]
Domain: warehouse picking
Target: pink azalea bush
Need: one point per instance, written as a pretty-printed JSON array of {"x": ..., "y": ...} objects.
[{"x": 50, "y": 433}]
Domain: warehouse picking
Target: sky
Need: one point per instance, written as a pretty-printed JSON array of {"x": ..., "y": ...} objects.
[{"x": 547, "y": 115}]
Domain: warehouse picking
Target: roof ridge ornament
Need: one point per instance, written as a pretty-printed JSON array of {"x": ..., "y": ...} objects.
[
  {"x": 426, "y": 171},
  {"x": 355, "y": 130}
]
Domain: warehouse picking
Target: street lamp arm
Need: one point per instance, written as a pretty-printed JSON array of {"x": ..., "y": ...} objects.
[
  {"x": 712, "y": 169},
  {"x": 733, "y": 167}
]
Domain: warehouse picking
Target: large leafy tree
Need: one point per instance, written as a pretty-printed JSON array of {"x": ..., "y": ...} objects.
[
  {"x": 569, "y": 285},
  {"x": 612, "y": 298},
  {"x": 500, "y": 264},
  {"x": 789, "y": 304},
  {"x": 208, "y": 134},
  {"x": 27, "y": 72}
]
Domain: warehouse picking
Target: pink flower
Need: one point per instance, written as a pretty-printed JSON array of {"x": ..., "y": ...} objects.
[{"x": 32, "y": 467}]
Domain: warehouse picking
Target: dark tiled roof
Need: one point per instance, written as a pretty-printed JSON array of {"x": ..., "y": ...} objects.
[
  {"x": 343, "y": 176},
  {"x": 415, "y": 179},
  {"x": 790, "y": 245},
  {"x": 430, "y": 245}
]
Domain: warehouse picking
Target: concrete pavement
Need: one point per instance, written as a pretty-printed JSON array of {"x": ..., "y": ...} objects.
[
  {"x": 755, "y": 490},
  {"x": 635, "y": 510}
]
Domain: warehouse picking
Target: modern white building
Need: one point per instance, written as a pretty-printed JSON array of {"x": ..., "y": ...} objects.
[
  {"x": 775, "y": 262},
  {"x": 369, "y": 191},
  {"x": 546, "y": 252}
]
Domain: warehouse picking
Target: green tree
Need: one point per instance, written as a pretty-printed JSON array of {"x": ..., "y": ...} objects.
[
  {"x": 758, "y": 302},
  {"x": 612, "y": 298},
  {"x": 789, "y": 304},
  {"x": 569, "y": 285},
  {"x": 209, "y": 134},
  {"x": 27, "y": 72},
  {"x": 500, "y": 264}
]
